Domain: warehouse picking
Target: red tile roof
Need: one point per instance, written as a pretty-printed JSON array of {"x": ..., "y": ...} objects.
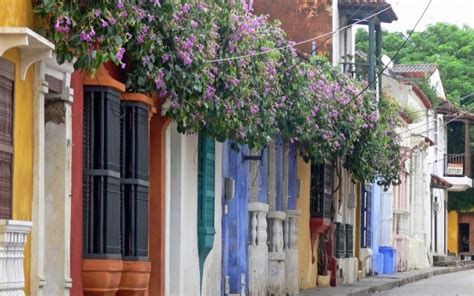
[
  {"x": 438, "y": 182},
  {"x": 423, "y": 97},
  {"x": 415, "y": 70}
]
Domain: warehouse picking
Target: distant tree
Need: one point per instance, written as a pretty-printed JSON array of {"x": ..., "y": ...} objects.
[
  {"x": 447, "y": 45},
  {"x": 452, "y": 48}
]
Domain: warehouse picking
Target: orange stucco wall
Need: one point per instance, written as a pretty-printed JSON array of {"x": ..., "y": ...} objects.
[{"x": 301, "y": 20}]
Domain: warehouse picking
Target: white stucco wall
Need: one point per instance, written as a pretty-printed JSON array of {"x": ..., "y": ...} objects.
[
  {"x": 435, "y": 81},
  {"x": 182, "y": 250}
]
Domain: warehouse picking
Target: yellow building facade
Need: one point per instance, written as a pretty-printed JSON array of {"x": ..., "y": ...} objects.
[
  {"x": 308, "y": 268},
  {"x": 453, "y": 235},
  {"x": 16, "y": 49}
]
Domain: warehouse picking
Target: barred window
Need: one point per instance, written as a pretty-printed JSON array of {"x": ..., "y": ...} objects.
[
  {"x": 7, "y": 78},
  {"x": 321, "y": 187},
  {"x": 115, "y": 175}
]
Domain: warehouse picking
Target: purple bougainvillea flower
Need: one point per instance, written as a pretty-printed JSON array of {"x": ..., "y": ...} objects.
[
  {"x": 120, "y": 53},
  {"x": 254, "y": 109},
  {"x": 166, "y": 57},
  {"x": 97, "y": 12},
  {"x": 120, "y": 4},
  {"x": 160, "y": 82},
  {"x": 155, "y": 2},
  {"x": 185, "y": 57},
  {"x": 186, "y": 8},
  {"x": 189, "y": 43},
  {"x": 62, "y": 24},
  {"x": 202, "y": 6},
  {"x": 85, "y": 37},
  {"x": 210, "y": 92}
]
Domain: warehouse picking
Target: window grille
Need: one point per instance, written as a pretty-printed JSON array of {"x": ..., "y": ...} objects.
[{"x": 7, "y": 78}]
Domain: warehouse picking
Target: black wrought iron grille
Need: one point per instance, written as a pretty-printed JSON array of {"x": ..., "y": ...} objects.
[
  {"x": 102, "y": 172},
  {"x": 134, "y": 181},
  {"x": 321, "y": 187}
]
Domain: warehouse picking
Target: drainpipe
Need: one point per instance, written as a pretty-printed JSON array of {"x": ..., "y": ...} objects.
[
  {"x": 378, "y": 54},
  {"x": 371, "y": 52}
]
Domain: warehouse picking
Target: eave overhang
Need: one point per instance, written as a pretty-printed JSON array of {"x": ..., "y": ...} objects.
[{"x": 33, "y": 47}]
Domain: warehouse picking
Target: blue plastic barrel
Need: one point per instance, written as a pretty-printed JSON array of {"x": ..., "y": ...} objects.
[{"x": 389, "y": 259}]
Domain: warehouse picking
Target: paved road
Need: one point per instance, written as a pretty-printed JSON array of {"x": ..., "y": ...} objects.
[{"x": 453, "y": 284}]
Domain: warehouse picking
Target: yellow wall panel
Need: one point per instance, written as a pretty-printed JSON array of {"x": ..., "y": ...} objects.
[
  {"x": 19, "y": 13},
  {"x": 453, "y": 232},
  {"x": 308, "y": 270},
  {"x": 23, "y": 152},
  {"x": 16, "y": 13}
]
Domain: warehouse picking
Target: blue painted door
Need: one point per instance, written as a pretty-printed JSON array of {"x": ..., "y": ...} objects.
[{"x": 235, "y": 221}]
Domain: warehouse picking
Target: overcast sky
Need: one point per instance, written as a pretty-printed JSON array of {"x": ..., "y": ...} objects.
[{"x": 457, "y": 12}]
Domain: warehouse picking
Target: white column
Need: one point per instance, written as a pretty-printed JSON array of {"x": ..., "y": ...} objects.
[
  {"x": 13, "y": 237},
  {"x": 276, "y": 255},
  {"x": 57, "y": 188},
  {"x": 37, "y": 279},
  {"x": 258, "y": 249},
  {"x": 291, "y": 253}
]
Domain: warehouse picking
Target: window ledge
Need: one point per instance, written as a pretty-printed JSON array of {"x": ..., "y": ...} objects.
[{"x": 33, "y": 47}]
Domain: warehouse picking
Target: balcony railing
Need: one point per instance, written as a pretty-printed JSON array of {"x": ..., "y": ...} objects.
[
  {"x": 356, "y": 70},
  {"x": 454, "y": 165}
]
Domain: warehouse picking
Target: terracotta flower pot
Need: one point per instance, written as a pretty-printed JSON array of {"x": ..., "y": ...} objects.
[
  {"x": 135, "y": 278},
  {"x": 101, "y": 277}
]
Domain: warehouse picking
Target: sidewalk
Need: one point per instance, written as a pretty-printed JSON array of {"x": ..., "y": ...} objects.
[{"x": 384, "y": 282}]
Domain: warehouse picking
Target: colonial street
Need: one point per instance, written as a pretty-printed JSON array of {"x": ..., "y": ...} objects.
[{"x": 458, "y": 283}]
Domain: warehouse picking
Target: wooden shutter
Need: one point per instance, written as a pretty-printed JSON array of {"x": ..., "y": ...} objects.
[
  {"x": 6, "y": 137},
  {"x": 366, "y": 220},
  {"x": 369, "y": 219},
  {"x": 134, "y": 182},
  {"x": 206, "y": 197},
  {"x": 292, "y": 176},
  {"x": 321, "y": 190},
  {"x": 340, "y": 240},
  {"x": 349, "y": 240},
  {"x": 279, "y": 173},
  {"x": 102, "y": 172}
]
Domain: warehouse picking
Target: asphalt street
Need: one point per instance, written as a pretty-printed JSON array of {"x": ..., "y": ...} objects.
[{"x": 458, "y": 283}]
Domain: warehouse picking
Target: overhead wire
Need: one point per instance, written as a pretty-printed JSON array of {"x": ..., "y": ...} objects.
[
  {"x": 297, "y": 43},
  {"x": 341, "y": 27}
]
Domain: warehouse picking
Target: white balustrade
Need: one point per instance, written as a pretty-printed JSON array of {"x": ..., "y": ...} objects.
[
  {"x": 13, "y": 238},
  {"x": 258, "y": 249}
]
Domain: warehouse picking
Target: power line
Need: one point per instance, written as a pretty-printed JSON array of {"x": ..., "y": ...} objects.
[
  {"x": 341, "y": 26},
  {"x": 391, "y": 59},
  {"x": 297, "y": 43}
]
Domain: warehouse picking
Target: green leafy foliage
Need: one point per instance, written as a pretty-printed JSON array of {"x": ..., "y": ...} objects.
[
  {"x": 377, "y": 152},
  {"x": 449, "y": 46},
  {"x": 185, "y": 51}
]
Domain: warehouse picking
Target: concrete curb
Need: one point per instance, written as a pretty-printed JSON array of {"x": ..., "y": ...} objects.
[
  {"x": 369, "y": 285},
  {"x": 410, "y": 279}
]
